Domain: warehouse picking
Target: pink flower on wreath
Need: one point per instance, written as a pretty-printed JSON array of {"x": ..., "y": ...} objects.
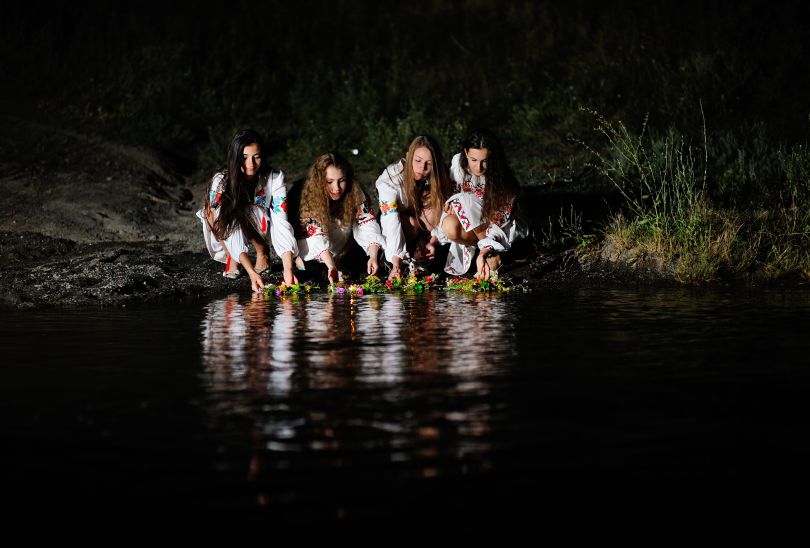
[
  {"x": 341, "y": 289},
  {"x": 428, "y": 279},
  {"x": 359, "y": 290},
  {"x": 388, "y": 283}
]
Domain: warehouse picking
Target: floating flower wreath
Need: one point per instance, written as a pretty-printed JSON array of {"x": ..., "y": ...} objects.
[
  {"x": 284, "y": 289},
  {"x": 373, "y": 284},
  {"x": 478, "y": 284}
]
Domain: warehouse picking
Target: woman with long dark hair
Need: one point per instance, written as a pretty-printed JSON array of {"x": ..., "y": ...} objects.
[
  {"x": 480, "y": 214},
  {"x": 412, "y": 191},
  {"x": 247, "y": 205},
  {"x": 335, "y": 217}
]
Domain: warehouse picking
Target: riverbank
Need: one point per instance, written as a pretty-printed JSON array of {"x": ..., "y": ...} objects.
[{"x": 89, "y": 222}]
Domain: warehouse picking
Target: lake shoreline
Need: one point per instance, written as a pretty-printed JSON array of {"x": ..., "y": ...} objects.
[
  {"x": 64, "y": 273},
  {"x": 85, "y": 221}
]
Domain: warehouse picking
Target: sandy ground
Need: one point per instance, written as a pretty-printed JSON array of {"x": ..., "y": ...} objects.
[{"x": 85, "y": 221}]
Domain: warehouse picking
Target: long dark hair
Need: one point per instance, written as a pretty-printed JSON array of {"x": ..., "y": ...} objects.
[
  {"x": 502, "y": 187},
  {"x": 237, "y": 192},
  {"x": 439, "y": 179}
]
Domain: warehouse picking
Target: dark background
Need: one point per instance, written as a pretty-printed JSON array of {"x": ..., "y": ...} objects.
[{"x": 181, "y": 76}]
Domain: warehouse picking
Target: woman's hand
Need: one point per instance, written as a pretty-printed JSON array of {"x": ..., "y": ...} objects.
[
  {"x": 256, "y": 282},
  {"x": 332, "y": 273},
  {"x": 373, "y": 252},
  {"x": 396, "y": 268},
  {"x": 287, "y": 268},
  {"x": 481, "y": 266},
  {"x": 430, "y": 248},
  {"x": 373, "y": 267},
  {"x": 289, "y": 277}
]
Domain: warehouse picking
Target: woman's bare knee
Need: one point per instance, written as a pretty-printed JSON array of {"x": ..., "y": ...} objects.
[{"x": 451, "y": 227}]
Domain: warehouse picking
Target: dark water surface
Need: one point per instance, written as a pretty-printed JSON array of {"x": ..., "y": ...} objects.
[{"x": 389, "y": 406}]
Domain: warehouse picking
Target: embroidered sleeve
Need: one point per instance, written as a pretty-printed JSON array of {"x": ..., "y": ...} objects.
[
  {"x": 366, "y": 230},
  {"x": 364, "y": 213},
  {"x": 389, "y": 217},
  {"x": 311, "y": 227},
  {"x": 275, "y": 201},
  {"x": 311, "y": 239},
  {"x": 215, "y": 192}
]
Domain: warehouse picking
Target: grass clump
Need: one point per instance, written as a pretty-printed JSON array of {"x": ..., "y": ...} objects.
[{"x": 668, "y": 211}]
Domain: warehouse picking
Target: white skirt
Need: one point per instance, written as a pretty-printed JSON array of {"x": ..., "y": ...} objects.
[{"x": 237, "y": 243}]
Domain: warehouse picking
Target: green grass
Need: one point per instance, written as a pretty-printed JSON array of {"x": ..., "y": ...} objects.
[{"x": 669, "y": 214}]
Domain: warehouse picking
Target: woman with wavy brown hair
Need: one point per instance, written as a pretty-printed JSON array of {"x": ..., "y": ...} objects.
[
  {"x": 335, "y": 214},
  {"x": 412, "y": 191}
]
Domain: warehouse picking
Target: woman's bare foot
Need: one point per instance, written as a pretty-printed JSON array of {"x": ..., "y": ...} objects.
[
  {"x": 231, "y": 269},
  {"x": 262, "y": 263}
]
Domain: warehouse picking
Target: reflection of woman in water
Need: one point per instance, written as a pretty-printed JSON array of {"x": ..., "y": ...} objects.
[
  {"x": 335, "y": 222},
  {"x": 246, "y": 206},
  {"x": 480, "y": 214},
  {"x": 412, "y": 191}
]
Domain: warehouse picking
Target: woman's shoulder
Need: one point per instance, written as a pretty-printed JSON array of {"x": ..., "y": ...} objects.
[
  {"x": 456, "y": 171},
  {"x": 274, "y": 179},
  {"x": 392, "y": 174},
  {"x": 274, "y": 173},
  {"x": 218, "y": 179}
]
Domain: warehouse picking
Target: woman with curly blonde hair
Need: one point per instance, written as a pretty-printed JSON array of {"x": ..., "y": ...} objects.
[
  {"x": 412, "y": 193},
  {"x": 334, "y": 214}
]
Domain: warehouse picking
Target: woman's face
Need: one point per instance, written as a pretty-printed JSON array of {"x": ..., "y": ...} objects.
[
  {"x": 251, "y": 160},
  {"x": 422, "y": 163},
  {"x": 335, "y": 183},
  {"x": 477, "y": 160}
]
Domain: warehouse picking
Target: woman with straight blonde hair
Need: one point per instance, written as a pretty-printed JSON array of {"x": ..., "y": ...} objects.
[{"x": 412, "y": 192}]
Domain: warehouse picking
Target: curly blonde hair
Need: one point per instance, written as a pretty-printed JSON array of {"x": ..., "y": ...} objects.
[{"x": 315, "y": 201}]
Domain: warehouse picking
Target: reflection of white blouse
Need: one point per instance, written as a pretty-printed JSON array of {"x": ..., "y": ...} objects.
[
  {"x": 364, "y": 228},
  {"x": 268, "y": 216},
  {"x": 468, "y": 204}
]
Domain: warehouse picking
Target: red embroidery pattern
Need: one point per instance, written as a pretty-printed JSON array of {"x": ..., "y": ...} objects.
[
  {"x": 313, "y": 227},
  {"x": 364, "y": 214},
  {"x": 502, "y": 217},
  {"x": 476, "y": 187},
  {"x": 462, "y": 216}
]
